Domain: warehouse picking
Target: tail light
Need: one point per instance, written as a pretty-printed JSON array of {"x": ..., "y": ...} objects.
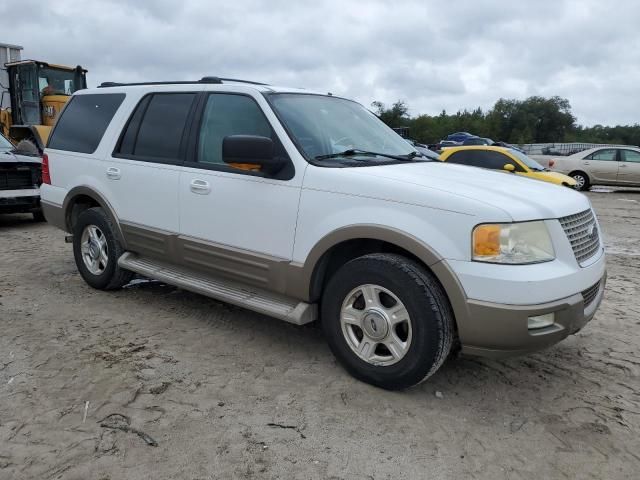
[
  {"x": 552, "y": 162},
  {"x": 46, "y": 176}
]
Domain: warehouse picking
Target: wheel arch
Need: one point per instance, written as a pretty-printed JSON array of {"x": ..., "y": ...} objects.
[
  {"x": 577, "y": 170},
  {"x": 344, "y": 244},
  {"x": 83, "y": 197}
]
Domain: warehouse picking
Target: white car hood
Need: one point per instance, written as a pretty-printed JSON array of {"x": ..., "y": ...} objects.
[
  {"x": 430, "y": 183},
  {"x": 11, "y": 157}
]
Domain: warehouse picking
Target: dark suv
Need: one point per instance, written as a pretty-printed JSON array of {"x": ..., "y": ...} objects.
[{"x": 20, "y": 179}]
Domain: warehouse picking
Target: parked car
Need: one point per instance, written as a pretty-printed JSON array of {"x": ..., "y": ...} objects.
[
  {"x": 445, "y": 144},
  {"x": 601, "y": 166},
  {"x": 423, "y": 149},
  {"x": 20, "y": 180},
  {"x": 477, "y": 141},
  {"x": 305, "y": 206},
  {"x": 459, "y": 137},
  {"x": 508, "y": 145},
  {"x": 504, "y": 159}
]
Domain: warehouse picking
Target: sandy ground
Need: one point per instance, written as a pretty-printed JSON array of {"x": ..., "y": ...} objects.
[{"x": 227, "y": 393}]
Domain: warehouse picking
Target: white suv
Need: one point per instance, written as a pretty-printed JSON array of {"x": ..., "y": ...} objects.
[{"x": 305, "y": 206}]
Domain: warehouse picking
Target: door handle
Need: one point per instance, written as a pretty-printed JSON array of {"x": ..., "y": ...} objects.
[
  {"x": 113, "y": 173},
  {"x": 624, "y": 165},
  {"x": 587, "y": 163},
  {"x": 200, "y": 187}
]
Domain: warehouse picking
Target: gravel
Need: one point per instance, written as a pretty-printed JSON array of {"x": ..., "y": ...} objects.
[{"x": 227, "y": 393}]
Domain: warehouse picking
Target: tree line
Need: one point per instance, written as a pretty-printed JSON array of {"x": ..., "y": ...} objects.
[{"x": 533, "y": 120}]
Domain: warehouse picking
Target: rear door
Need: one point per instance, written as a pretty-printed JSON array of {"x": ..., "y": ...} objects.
[
  {"x": 602, "y": 165},
  {"x": 142, "y": 174},
  {"x": 629, "y": 167}
]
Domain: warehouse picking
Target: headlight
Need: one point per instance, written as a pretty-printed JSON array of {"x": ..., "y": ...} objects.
[{"x": 512, "y": 243}]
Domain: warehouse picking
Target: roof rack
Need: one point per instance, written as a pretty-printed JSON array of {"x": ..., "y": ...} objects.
[{"x": 210, "y": 80}]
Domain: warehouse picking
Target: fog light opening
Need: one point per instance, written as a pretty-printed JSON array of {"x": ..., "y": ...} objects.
[{"x": 541, "y": 321}]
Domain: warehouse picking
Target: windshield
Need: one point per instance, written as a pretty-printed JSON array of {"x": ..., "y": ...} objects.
[
  {"x": 52, "y": 81},
  {"x": 5, "y": 144},
  {"x": 323, "y": 125},
  {"x": 529, "y": 162}
]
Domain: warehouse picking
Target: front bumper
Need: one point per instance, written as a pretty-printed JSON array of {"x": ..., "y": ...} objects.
[
  {"x": 19, "y": 201},
  {"x": 497, "y": 330}
]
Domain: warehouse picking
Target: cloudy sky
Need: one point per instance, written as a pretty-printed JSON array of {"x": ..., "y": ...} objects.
[{"x": 433, "y": 54}]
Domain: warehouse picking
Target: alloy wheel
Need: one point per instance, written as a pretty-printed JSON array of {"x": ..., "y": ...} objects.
[{"x": 376, "y": 325}]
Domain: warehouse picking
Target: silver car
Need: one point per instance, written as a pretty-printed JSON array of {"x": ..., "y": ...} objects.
[{"x": 601, "y": 166}]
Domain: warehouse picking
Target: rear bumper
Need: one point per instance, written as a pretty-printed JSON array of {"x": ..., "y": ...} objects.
[
  {"x": 496, "y": 330},
  {"x": 54, "y": 214}
]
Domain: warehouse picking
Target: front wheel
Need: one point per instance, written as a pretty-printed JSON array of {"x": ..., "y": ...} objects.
[
  {"x": 387, "y": 320},
  {"x": 96, "y": 250},
  {"x": 38, "y": 216},
  {"x": 582, "y": 181}
]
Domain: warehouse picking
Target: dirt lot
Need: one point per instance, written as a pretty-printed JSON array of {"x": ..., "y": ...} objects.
[{"x": 227, "y": 393}]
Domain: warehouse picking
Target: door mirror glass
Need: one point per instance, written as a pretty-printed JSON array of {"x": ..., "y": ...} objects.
[
  {"x": 246, "y": 151},
  {"x": 508, "y": 167}
]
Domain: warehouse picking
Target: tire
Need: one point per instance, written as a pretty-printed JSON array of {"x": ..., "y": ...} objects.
[
  {"x": 28, "y": 147},
  {"x": 38, "y": 216},
  {"x": 428, "y": 331},
  {"x": 103, "y": 273},
  {"x": 582, "y": 179}
]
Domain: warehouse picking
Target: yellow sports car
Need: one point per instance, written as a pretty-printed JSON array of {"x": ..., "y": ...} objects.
[{"x": 505, "y": 159}]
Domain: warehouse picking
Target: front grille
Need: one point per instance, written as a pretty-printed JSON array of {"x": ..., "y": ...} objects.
[
  {"x": 590, "y": 294},
  {"x": 582, "y": 232},
  {"x": 15, "y": 179}
]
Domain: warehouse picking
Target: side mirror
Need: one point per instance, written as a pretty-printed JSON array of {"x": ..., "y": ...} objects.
[
  {"x": 509, "y": 168},
  {"x": 252, "y": 151}
]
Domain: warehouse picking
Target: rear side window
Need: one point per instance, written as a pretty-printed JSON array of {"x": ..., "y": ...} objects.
[
  {"x": 482, "y": 158},
  {"x": 84, "y": 121},
  {"x": 155, "y": 130},
  {"x": 608, "y": 155}
]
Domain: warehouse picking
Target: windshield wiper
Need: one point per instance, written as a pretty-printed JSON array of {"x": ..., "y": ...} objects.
[{"x": 355, "y": 151}]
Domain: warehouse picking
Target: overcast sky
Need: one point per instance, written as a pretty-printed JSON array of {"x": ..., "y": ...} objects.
[{"x": 433, "y": 54}]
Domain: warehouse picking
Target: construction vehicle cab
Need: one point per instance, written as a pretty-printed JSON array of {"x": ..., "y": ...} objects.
[{"x": 38, "y": 91}]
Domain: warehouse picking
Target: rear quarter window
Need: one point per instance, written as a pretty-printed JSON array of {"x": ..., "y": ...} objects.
[{"x": 83, "y": 122}]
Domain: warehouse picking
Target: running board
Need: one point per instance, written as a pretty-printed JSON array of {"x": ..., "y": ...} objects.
[{"x": 229, "y": 291}]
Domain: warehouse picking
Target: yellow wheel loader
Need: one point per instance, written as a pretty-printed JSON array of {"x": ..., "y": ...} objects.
[{"x": 38, "y": 91}]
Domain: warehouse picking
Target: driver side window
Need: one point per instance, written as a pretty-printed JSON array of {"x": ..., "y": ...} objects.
[
  {"x": 483, "y": 159},
  {"x": 225, "y": 115}
]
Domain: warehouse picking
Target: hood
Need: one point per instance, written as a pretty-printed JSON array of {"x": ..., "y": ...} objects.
[
  {"x": 469, "y": 190},
  {"x": 553, "y": 177},
  {"x": 9, "y": 156}
]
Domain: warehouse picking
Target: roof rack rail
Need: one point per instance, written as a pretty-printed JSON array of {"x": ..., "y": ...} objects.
[{"x": 210, "y": 80}]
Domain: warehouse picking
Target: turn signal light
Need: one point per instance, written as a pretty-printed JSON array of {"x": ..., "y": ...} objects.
[
  {"x": 46, "y": 176},
  {"x": 552, "y": 162},
  {"x": 486, "y": 240}
]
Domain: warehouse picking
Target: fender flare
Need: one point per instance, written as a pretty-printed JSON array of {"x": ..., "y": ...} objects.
[{"x": 87, "y": 191}]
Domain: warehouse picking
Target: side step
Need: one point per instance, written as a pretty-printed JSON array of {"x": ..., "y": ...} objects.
[{"x": 252, "y": 298}]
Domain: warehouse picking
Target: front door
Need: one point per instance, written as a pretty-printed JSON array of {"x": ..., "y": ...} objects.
[
  {"x": 602, "y": 166},
  {"x": 236, "y": 222},
  {"x": 629, "y": 168}
]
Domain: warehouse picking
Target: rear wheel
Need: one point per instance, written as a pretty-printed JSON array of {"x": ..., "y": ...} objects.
[
  {"x": 582, "y": 180},
  {"x": 96, "y": 250},
  {"x": 387, "y": 320}
]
